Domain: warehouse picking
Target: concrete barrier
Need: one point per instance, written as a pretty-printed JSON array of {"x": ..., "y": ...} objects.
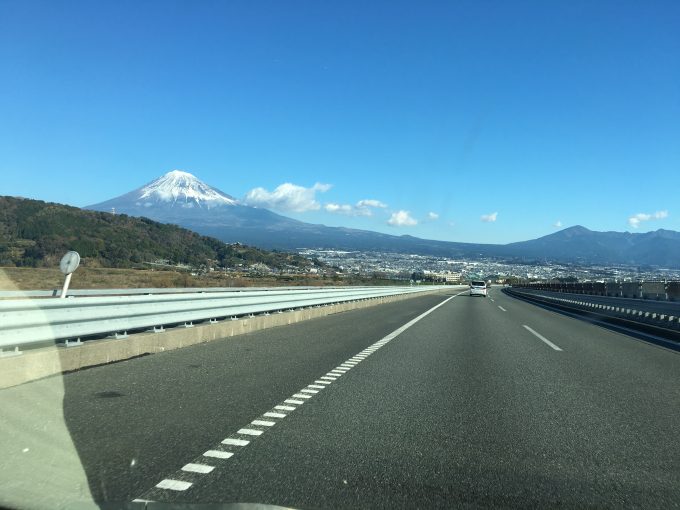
[
  {"x": 653, "y": 290},
  {"x": 40, "y": 363}
]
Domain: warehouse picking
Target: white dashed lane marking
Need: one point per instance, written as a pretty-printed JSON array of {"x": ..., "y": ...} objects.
[
  {"x": 263, "y": 423},
  {"x": 274, "y": 415},
  {"x": 198, "y": 468},
  {"x": 249, "y": 432},
  {"x": 499, "y": 306},
  {"x": 173, "y": 485},
  {"x": 541, "y": 337},
  {"x": 191, "y": 472},
  {"x": 236, "y": 442},
  {"x": 218, "y": 454}
]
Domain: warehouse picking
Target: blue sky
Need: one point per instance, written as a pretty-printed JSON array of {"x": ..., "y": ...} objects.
[{"x": 420, "y": 118}]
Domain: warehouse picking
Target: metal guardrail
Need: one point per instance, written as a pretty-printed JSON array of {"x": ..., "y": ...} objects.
[
  {"x": 17, "y": 294},
  {"x": 658, "y": 324},
  {"x": 24, "y": 322},
  {"x": 652, "y": 290}
]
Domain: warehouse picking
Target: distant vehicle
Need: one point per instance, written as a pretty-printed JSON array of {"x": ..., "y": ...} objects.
[{"x": 478, "y": 288}]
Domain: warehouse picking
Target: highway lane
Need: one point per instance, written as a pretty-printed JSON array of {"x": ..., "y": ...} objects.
[{"x": 468, "y": 406}]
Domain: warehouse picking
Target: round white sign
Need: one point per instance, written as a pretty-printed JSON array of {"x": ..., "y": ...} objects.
[{"x": 69, "y": 262}]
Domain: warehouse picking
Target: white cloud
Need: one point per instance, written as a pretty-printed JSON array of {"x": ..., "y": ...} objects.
[
  {"x": 287, "y": 197},
  {"x": 432, "y": 216},
  {"x": 489, "y": 218},
  {"x": 371, "y": 203},
  {"x": 362, "y": 208},
  {"x": 635, "y": 220},
  {"x": 402, "y": 219},
  {"x": 557, "y": 224},
  {"x": 339, "y": 208}
]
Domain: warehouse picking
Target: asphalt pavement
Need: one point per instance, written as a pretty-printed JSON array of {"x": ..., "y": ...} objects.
[{"x": 436, "y": 401}]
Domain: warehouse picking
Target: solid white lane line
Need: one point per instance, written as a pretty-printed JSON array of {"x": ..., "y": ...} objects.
[
  {"x": 410, "y": 323},
  {"x": 499, "y": 306},
  {"x": 285, "y": 408},
  {"x": 173, "y": 485},
  {"x": 302, "y": 395},
  {"x": 204, "y": 469},
  {"x": 263, "y": 423},
  {"x": 274, "y": 415},
  {"x": 218, "y": 454},
  {"x": 250, "y": 432},
  {"x": 235, "y": 442},
  {"x": 292, "y": 401},
  {"x": 541, "y": 337}
]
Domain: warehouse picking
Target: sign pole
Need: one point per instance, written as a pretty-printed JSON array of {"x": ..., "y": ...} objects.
[{"x": 67, "y": 282}]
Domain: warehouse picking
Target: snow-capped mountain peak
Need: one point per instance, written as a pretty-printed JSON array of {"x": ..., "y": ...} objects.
[{"x": 184, "y": 189}]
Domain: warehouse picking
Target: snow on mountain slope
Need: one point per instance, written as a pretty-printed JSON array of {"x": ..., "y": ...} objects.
[{"x": 183, "y": 187}]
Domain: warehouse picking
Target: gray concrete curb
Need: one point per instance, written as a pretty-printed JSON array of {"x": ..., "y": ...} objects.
[{"x": 40, "y": 363}]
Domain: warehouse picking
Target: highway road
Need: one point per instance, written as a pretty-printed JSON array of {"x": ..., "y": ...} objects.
[{"x": 437, "y": 401}]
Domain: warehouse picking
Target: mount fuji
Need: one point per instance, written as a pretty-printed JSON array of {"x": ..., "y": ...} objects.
[{"x": 181, "y": 198}]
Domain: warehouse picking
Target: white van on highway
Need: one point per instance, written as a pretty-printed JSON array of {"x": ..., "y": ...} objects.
[{"x": 478, "y": 288}]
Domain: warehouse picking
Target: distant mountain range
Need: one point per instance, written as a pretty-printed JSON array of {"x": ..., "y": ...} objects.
[{"x": 180, "y": 198}]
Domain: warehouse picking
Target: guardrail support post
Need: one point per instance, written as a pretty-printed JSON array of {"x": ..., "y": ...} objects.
[{"x": 7, "y": 354}]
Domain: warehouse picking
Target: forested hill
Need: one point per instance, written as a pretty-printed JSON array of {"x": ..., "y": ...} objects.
[{"x": 36, "y": 233}]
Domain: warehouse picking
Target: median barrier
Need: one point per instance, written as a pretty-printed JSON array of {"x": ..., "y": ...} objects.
[{"x": 653, "y": 290}]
